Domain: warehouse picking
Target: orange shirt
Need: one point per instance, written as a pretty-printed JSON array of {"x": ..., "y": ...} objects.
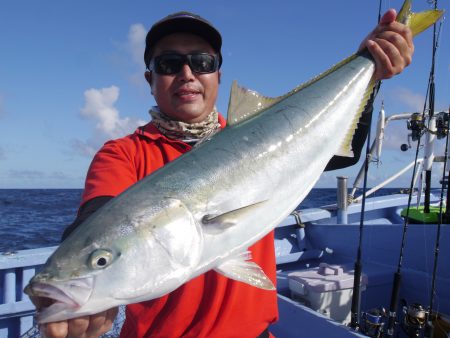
[{"x": 209, "y": 305}]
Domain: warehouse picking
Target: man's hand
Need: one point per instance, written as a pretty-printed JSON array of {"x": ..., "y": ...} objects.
[
  {"x": 391, "y": 46},
  {"x": 83, "y": 327}
]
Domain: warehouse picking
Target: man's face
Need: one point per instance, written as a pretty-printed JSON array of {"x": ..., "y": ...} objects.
[{"x": 185, "y": 96}]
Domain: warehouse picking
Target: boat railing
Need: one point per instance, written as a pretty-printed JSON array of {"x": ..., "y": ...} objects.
[
  {"x": 375, "y": 154},
  {"x": 16, "y": 269},
  {"x": 390, "y": 179}
]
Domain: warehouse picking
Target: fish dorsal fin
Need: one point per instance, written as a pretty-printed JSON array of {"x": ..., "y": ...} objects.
[{"x": 245, "y": 103}]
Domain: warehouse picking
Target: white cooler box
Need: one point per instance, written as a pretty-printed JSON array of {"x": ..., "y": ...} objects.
[{"x": 327, "y": 289}]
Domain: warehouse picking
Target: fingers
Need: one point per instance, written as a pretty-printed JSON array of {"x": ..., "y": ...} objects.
[
  {"x": 82, "y": 327},
  {"x": 388, "y": 17},
  {"x": 390, "y": 58},
  {"x": 111, "y": 315},
  {"x": 54, "y": 330},
  {"x": 78, "y": 326},
  {"x": 101, "y": 323},
  {"x": 395, "y": 32},
  {"x": 391, "y": 46}
]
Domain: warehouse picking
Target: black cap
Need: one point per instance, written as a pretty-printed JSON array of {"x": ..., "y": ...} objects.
[{"x": 182, "y": 22}]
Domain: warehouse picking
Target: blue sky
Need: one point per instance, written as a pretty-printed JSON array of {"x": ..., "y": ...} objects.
[{"x": 71, "y": 73}]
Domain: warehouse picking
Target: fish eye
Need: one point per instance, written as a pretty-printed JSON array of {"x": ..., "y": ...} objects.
[{"x": 100, "y": 259}]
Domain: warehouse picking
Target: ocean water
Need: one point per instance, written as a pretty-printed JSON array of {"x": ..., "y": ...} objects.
[{"x": 34, "y": 218}]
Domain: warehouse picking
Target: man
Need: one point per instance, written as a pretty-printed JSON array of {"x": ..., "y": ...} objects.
[{"x": 183, "y": 58}]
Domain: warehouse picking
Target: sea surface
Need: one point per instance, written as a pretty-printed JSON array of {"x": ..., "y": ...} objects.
[{"x": 34, "y": 218}]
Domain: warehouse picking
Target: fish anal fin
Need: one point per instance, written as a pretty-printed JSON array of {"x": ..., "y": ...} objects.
[
  {"x": 239, "y": 268},
  {"x": 345, "y": 149}
]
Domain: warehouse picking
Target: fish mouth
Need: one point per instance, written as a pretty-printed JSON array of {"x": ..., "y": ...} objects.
[{"x": 57, "y": 301}]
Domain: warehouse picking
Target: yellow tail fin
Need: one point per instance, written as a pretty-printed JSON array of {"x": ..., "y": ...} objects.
[{"x": 418, "y": 22}]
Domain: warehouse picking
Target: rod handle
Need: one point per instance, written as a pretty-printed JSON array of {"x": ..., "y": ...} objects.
[
  {"x": 394, "y": 304},
  {"x": 354, "y": 323}
]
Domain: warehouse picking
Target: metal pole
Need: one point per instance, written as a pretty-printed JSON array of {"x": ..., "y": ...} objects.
[
  {"x": 428, "y": 160},
  {"x": 342, "y": 198}
]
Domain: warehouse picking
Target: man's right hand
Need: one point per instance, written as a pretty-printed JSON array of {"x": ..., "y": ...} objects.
[{"x": 83, "y": 327}]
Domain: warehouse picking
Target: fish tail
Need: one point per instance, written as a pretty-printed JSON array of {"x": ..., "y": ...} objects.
[{"x": 418, "y": 22}]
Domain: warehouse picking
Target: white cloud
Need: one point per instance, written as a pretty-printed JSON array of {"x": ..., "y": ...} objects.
[
  {"x": 410, "y": 99},
  {"x": 135, "y": 47},
  {"x": 27, "y": 174},
  {"x": 136, "y": 42},
  {"x": 29, "y": 178},
  {"x": 396, "y": 134},
  {"x": 86, "y": 148},
  {"x": 99, "y": 107},
  {"x": 128, "y": 58}
]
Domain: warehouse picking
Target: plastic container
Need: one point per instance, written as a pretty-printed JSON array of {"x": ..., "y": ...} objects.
[{"x": 327, "y": 289}]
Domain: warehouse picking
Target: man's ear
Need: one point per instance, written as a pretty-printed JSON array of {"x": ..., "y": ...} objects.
[{"x": 148, "y": 77}]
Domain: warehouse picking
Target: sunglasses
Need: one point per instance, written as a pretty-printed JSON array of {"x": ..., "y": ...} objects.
[{"x": 170, "y": 64}]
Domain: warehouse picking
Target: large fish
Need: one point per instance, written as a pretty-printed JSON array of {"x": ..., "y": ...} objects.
[{"x": 203, "y": 210}]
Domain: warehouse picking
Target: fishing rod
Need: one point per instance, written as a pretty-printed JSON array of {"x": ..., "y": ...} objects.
[
  {"x": 397, "y": 275},
  {"x": 447, "y": 210},
  {"x": 429, "y": 326},
  {"x": 430, "y": 115},
  {"x": 356, "y": 297},
  {"x": 392, "y": 315},
  {"x": 354, "y": 322},
  {"x": 418, "y": 321}
]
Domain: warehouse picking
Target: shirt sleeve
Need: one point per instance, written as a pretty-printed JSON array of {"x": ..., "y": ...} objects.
[{"x": 112, "y": 170}]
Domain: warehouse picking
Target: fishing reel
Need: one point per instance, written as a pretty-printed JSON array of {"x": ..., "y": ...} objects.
[
  {"x": 373, "y": 322},
  {"x": 416, "y": 124},
  {"x": 414, "y": 319},
  {"x": 442, "y": 122}
]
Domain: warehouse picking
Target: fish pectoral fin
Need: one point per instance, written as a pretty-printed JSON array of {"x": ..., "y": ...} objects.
[
  {"x": 241, "y": 269},
  {"x": 218, "y": 223}
]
